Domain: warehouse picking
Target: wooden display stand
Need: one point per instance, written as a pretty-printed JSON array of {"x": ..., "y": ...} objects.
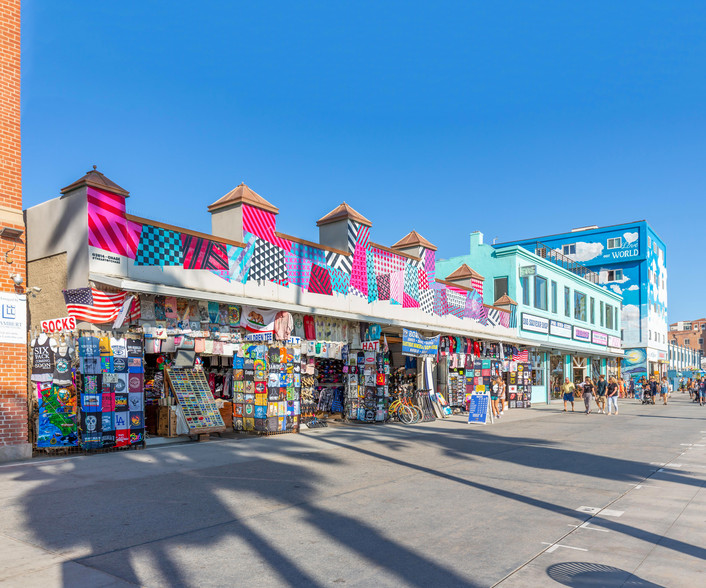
[{"x": 194, "y": 396}]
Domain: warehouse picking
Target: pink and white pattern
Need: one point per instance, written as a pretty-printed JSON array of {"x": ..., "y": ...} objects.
[
  {"x": 107, "y": 227},
  {"x": 263, "y": 224}
]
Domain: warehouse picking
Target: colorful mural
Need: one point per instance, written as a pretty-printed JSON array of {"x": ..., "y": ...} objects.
[{"x": 369, "y": 271}]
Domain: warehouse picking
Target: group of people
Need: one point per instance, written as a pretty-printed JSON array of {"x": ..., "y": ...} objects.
[
  {"x": 696, "y": 389},
  {"x": 606, "y": 394}
]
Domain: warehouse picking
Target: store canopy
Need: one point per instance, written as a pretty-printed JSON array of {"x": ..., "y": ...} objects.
[
  {"x": 569, "y": 348},
  {"x": 164, "y": 290}
]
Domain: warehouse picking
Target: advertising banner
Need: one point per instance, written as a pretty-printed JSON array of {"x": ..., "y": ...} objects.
[
  {"x": 413, "y": 344},
  {"x": 582, "y": 334},
  {"x": 600, "y": 338},
  {"x": 478, "y": 408},
  {"x": 534, "y": 323},
  {"x": 13, "y": 318},
  {"x": 559, "y": 329}
]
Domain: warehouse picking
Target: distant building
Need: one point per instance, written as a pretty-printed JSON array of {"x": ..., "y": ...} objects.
[
  {"x": 570, "y": 323},
  {"x": 691, "y": 334},
  {"x": 631, "y": 260},
  {"x": 684, "y": 363}
]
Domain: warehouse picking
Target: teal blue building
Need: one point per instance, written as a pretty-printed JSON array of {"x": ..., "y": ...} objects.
[{"x": 571, "y": 323}]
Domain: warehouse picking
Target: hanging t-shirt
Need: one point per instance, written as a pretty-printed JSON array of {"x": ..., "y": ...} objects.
[
  {"x": 170, "y": 307},
  {"x": 62, "y": 366},
  {"x": 104, "y": 343},
  {"x": 283, "y": 326},
  {"x": 134, "y": 345},
  {"x": 298, "y": 320},
  {"x": 374, "y": 331},
  {"x": 147, "y": 308},
  {"x": 309, "y": 328},
  {"x": 118, "y": 347},
  {"x": 88, "y": 346},
  {"x": 43, "y": 349}
]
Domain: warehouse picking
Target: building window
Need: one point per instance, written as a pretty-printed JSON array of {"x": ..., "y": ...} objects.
[
  {"x": 615, "y": 275},
  {"x": 569, "y": 249},
  {"x": 554, "y": 297},
  {"x": 686, "y": 341},
  {"x": 615, "y": 319},
  {"x": 540, "y": 292},
  {"x": 650, "y": 335},
  {"x": 537, "y": 360},
  {"x": 567, "y": 301},
  {"x": 593, "y": 311},
  {"x": 500, "y": 286},
  {"x": 608, "y": 316},
  {"x": 524, "y": 283},
  {"x": 579, "y": 306},
  {"x": 616, "y": 243},
  {"x": 601, "y": 313}
]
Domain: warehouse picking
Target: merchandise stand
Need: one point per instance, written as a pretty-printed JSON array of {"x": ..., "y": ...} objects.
[{"x": 193, "y": 393}]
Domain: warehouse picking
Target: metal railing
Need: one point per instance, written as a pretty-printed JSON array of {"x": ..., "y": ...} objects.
[{"x": 546, "y": 252}]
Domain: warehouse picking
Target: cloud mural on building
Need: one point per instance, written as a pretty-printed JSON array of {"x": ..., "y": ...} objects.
[
  {"x": 585, "y": 251},
  {"x": 631, "y": 238}
]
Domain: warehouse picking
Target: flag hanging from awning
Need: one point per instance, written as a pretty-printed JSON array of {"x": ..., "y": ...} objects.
[{"x": 96, "y": 306}]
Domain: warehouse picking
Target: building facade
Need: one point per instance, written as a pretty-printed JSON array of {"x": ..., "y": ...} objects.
[
  {"x": 13, "y": 333},
  {"x": 691, "y": 334},
  {"x": 631, "y": 260},
  {"x": 684, "y": 364},
  {"x": 570, "y": 323}
]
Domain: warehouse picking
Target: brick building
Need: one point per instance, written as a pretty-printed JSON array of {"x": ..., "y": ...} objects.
[
  {"x": 691, "y": 334},
  {"x": 13, "y": 337}
]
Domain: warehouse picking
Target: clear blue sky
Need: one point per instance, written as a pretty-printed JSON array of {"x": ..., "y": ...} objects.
[{"x": 514, "y": 118}]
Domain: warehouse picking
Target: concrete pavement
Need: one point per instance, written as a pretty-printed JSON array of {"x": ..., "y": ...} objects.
[{"x": 540, "y": 498}]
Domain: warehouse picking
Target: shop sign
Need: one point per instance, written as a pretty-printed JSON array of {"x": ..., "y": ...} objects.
[
  {"x": 534, "y": 323},
  {"x": 600, "y": 338},
  {"x": 614, "y": 341},
  {"x": 560, "y": 329},
  {"x": 582, "y": 334},
  {"x": 528, "y": 270},
  {"x": 478, "y": 408},
  {"x": 13, "y": 318},
  {"x": 413, "y": 344},
  {"x": 371, "y": 346},
  {"x": 67, "y": 323}
]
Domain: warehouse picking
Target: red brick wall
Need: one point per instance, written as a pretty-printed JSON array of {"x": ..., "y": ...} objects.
[{"x": 13, "y": 358}]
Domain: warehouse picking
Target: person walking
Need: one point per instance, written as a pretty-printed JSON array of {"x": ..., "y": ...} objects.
[
  {"x": 494, "y": 395},
  {"x": 631, "y": 388},
  {"x": 654, "y": 389},
  {"x": 702, "y": 391},
  {"x": 588, "y": 388},
  {"x": 568, "y": 390},
  {"x": 612, "y": 395},
  {"x": 664, "y": 389},
  {"x": 600, "y": 394}
]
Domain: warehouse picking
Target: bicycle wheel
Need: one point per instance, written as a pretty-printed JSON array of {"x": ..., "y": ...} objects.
[
  {"x": 418, "y": 414},
  {"x": 405, "y": 414}
]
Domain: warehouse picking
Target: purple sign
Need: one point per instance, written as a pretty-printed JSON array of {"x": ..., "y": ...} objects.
[
  {"x": 582, "y": 334},
  {"x": 614, "y": 341},
  {"x": 600, "y": 338}
]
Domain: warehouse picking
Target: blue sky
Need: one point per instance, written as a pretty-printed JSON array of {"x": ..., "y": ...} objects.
[{"x": 518, "y": 119}]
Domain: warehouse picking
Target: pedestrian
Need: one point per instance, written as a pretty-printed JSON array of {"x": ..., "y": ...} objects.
[
  {"x": 494, "y": 394},
  {"x": 588, "y": 394},
  {"x": 621, "y": 388},
  {"x": 664, "y": 389},
  {"x": 631, "y": 388},
  {"x": 501, "y": 396},
  {"x": 702, "y": 392},
  {"x": 612, "y": 395},
  {"x": 600, "y": 394},
  {"x": 568, "y": 390},
  {"x": 653, "y": 388},
  {"x": 639, "y": 389}
]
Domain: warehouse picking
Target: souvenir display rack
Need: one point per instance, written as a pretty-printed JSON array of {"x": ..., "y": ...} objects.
[{"x": 191, "y": 389}]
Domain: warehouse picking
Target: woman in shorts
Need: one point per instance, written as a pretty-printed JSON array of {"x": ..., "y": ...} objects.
[{"x": 494, "y": 395}]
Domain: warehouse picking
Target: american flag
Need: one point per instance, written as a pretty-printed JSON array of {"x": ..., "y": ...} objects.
[
  {"x": 95, "y": 306},
  {"x": 521, "y": 357}
]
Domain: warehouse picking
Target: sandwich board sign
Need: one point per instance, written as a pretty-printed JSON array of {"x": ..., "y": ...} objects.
[{"x": 479, "y": 409}]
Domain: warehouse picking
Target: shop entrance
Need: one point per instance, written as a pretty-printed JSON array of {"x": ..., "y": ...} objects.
[
  {"x": 595, "y": 369},
  {"x": 579, "y": 367},
  {"x": 556, "y": 369}
]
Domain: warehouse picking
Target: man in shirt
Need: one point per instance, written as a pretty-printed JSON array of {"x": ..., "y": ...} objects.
[
  {"x": 600, "y": 394},
  {"x": 568, "y": 389}
]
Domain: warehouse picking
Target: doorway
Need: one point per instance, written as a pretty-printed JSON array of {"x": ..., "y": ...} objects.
[{"x": 579, "y": 369}]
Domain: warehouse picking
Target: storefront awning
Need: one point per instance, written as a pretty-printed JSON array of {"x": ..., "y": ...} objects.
[
  {"x": 164, "y": 290},
  {"x": 575, "y": 349}
]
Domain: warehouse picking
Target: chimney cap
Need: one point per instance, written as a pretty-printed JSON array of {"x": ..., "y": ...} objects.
[
  {"x": 504, "y": 300},
  {"x": 242, "y": 194},
  {"x": 96, "y": 179},
  {"x": 413, "y": 239},
  {"x": 342, "y": 212},
  {"x": 464, "y": 272}
]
